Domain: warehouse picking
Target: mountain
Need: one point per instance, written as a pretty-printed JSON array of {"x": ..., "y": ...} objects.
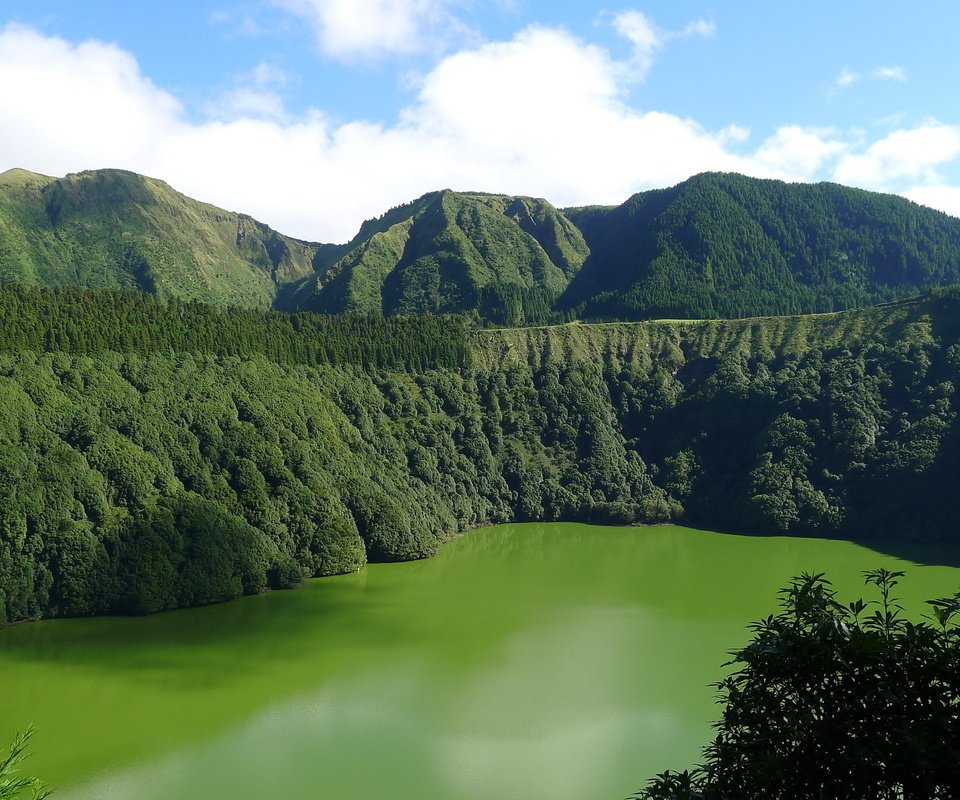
[
  {"x": 724, "y": 245},
  {"x": 508, "y": 258},
  {"x": 116, "y": 229},
  {"x": 716, "y": 245}
]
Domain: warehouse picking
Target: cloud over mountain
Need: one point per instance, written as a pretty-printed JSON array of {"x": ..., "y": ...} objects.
[{"x": 542, "y": 113}]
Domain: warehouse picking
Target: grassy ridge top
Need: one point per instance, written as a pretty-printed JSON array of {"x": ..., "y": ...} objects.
[
  {"x": 115, "y": 229},
  {"x": 88, "y": 322}
]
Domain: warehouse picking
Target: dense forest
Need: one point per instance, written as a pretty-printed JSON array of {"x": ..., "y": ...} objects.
[
  {"x": 715, "y": 246},
  {"x": 724, "y": 245},
  {"x": 85, "y": 322},
  {"x": 155, "y": 455}
]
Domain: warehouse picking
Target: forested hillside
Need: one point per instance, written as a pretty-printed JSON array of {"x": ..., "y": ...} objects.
[
  {"x": 179, "y": 455},
  {"x": 715, "y": 246},
  {"x": 82, "y": 321},
  {"x": 507, "y": 258},
  {"x": 724, "y": 245}
]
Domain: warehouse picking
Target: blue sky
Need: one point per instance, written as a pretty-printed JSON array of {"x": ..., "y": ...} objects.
[{"x": 315, "y": 114}]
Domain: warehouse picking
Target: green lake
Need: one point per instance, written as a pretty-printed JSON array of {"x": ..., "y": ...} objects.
[{"x": 532, "y": 661}]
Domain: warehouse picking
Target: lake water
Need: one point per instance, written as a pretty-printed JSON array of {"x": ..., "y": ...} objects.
[{"x": 533, "y": 661}]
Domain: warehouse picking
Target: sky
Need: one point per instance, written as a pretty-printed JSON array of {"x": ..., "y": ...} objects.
[{"x": 313, "y": 115}]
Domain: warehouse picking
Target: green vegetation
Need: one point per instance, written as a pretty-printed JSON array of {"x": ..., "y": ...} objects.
[
  {"x": 90, "y": 322},
  {"x": 117, "y": 230},
  {"x": 132, "y": 428},
  {"x": 723, "y": 245},
  {"x": 714, "y": 246},
  {"x": 832, "y": 700},
  {"x": 12, "y": 784},
  {"x": 163, "y": 446},
  {"x": 507, "y": 258}
]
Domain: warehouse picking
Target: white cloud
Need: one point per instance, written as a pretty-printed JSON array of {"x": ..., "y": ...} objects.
[
  {"x": 890, "y": 73},
  {"x": 849, "y": 77},
  {"x": 735, "y": 134},
  {"x": 542, "y": 114},
  {"x": 943, "y": 198},
  {"x": 247, "y": 101},
  {"x": 267, "y": 74},
  {"x": 371, "y": 29},
  {"x": 700, "y": 27},
  {"x": 643, "y": 34},
  {"x": 797, "y": 153},
  {"x": 647, "y": 38},
  {"x": 61, "y": 101},
  {"x": 255, "y": 95},
  {"x": 913, "y": 154}
]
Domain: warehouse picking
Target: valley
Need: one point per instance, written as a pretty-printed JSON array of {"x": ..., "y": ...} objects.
[{"x": 198, "y": 409}]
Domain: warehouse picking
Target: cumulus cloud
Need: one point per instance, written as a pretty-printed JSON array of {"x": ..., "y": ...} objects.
[
  {"x": 254, "y": 95},
  {"x": 943, "y": 198},
  {"x": 735, "y": 134},
  {"x": 913, "y": 154},
  {"x": 64, "y": 102},
  {"x": 542, "y": 114},
  {"x": 371, "y": 29},
  {"x": 797, "y": 153}
]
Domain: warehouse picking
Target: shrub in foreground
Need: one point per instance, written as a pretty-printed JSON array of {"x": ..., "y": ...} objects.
[{"x": 835, "y": 701}]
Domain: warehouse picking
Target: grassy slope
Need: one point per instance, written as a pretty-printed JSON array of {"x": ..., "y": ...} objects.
[
  {"x": 115, "y": 229},
  {"x": 674, "y": 342},
  {"x": 436, "y": 254}
]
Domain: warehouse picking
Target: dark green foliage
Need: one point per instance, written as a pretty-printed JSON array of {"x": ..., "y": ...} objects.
[
  {"x": 839, "y": 701},
  {"x": 172, "y": 454},
  {"x": 188, "y": 551},
  {"x": 844, "y": 425},
  {"x": 714, "y": 246},
  {"x": 88, "y": 322},
  {"x": 723, "y": 245}
]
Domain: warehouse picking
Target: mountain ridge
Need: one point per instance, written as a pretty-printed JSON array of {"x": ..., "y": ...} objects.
[
  {"x": 118, "y": 229},
  {"x": 715, "y": 245}
]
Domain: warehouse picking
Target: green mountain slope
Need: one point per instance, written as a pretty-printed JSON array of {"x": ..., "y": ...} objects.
[
  {"x": 717, "y": 245},
  {"x": 508, "y": 258},
  {"x": 723, "y": 245},
  {"x": 115, "y": 229}
]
